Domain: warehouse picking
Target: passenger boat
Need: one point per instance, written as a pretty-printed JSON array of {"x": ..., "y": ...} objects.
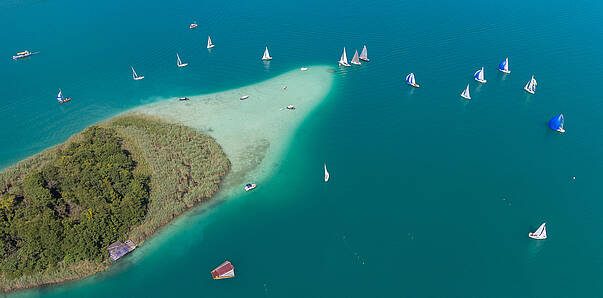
[
  {"x": 410, "y": 80},
  {"x": 363, "y": 55},
  {"x": 244, "y": 97},
  {"x": 355, "y": 59},
  {"x": 344, "y": 59},
  {"x": 60, "y": 98},
  {"x": 479, "y": 75},
  {"x": 266, "y": 56},
  {"x": 556, "y": 123},
  {"x": 290, "y": 107},
  {"x": 326, "y": 173},
  {"x": 530, "y": 86},
  {"x": 209, "y": 43},
  {"x": 183, "y": 98},
  {"x": 465, "y": 94},
  {"x": 504, "y": 66},
  {"x": 135, "y": 76},
  {"x": 226, "y": 270},
  {"x": 22, "y": 55},
  {"x": 179, "y": 62},
  {"x": 193, "y": 25},
  {"x": 540, "y": 234},
  {"x": 249, "y": 186}
]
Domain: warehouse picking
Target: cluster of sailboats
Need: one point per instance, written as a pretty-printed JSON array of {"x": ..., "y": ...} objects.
[{"x": 343, "y": 61}]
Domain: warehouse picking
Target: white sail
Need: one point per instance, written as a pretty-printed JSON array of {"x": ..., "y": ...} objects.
[
  {"x": 60, "y": 96},
  {"x": 531, "y": 85},
  {"x": 266, "y": 54},
  {"x": 562, "y": 122},
  {"x": 135, "y": 76},
  {"x": 364, "y": 55},
  {"x": 344, "y": 59},
  {"x": 507, "y": 64},
  {"x": 355, "y": 59},
  {"x": 479, "y": 75},
  {"x": 540, "y": 232},
  {"x": 326, "y": 173},
  {"x": 179, "y": 62},
  {"x": 465, "y": 93},
  {"x": 209, "y": 43}
]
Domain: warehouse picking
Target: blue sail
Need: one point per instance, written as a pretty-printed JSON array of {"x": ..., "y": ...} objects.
[
  {"x": 556, "y": 122},
  {"x": 409, "y": 79},
  {"x": 502, "y": 65},
  {"x": 477, "y": 74}
]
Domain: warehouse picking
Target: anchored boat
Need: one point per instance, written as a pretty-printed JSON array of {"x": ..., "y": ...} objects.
[
  {"x": 209, "y": 43},
  {"x": 344, "y": 59},
  {"x": 540, "y": 234},
  {"x": 556, "y": 123},
  {"x": 465, "y": 94},
  {"x": 135, "y": 76},
  {"x": 60, "y": 98},
  {"x": 363, "y": 55},
  {"x": 226, "y": 270},
  {"x": 530, "y": 86},
  {"x": 179, "y": 62},
  {"x": 504, "y": 66},
  {"x": 355, "y": 59},
  {"x": 479, "y": 75},
  {"x": 410, "y": 80},
  {"x": 244, "y": 97},
  {"x": 193, "y": 25},
  {"x": 266, "y": 55},
  {"x": 249, "y": 186}
]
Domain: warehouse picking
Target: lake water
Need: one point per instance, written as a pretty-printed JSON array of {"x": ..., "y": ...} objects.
[{"x": 430, "y": 195}]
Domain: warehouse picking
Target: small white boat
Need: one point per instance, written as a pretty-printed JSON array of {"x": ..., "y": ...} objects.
[
  {"x": 410, "y": 80},
  {"x": 249, "y": 186},
  {"x": 465, "y": 94},
  {"x": 193, "y": 25},
  {"x": 135, "y": 76},
  {"x": 479, "y": 75},
  {"x": 344, "y": 59},
  {"x": 290, "y": 107},
  {"x": 179, "y": 62},
  {"x": 326, "y": 173},
  {"x": 540, "y": 234},
  {"x": 504, "y": 66},
  {"x": 244, "y": 97},
  {"x": 209, "y": 43},
  {"x": 355, "y": 59},
  {"x": 303, "y": 68},
  {"x": 530, "y": 87},
  {"x": 266, "y": 55},
  {"x": 183, "y": 98},
  {"x": 363, "y": 55}
]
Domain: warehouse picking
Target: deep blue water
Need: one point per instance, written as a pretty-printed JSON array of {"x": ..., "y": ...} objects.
[{"x": 430, "y": 196}]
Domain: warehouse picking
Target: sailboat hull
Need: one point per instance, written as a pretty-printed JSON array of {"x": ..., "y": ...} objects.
[
  {"x": 65, "y": 100},
  {"x": 182, "y": 64},
  {"x": 267, "y": 59},
  {"x": 210, "y": 46},
  {"x": 505, "y": 71},
  {"x": 537, "y": 237},
  {"x": 365, "y": 59},
  {"x": 138, "y": 78},
  {"x": 343, "y": 64},
  {"x": 414, "y": 85},
  {"x": 465, "y": 96},
  {"x": 528, "y": 90},
  {"x": 481, "y": 81},
  {"x": 357, "y": 63}
]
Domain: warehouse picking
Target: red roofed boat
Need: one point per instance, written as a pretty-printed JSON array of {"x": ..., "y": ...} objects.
[{"x": 226, "y": 270}]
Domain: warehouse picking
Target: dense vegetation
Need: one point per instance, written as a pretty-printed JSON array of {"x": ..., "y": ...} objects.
[{"x": 122, "y": 179}]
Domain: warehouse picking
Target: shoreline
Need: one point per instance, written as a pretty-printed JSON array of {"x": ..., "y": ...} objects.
[{"x": 252, "y": 156}]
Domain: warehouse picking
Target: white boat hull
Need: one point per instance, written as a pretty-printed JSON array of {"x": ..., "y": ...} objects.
[
  {"x": 505, "y": 71},
  {"x": 365, "y": 59},
  {"x": 303, "y": 68},
  {"x": 182, "y": 64},
  {"x": 531, "y": 235},
  {"x": 465, "y": 96},
  {"x": 211, "y": 46},
  {"x": 138, "y": 78},
  {"x": 344, "y": 64},
  {"x": 267, "y": 59},
  {"x": 414, "y": 85},
  {"x": 528, "y": 90},
  {"x": 357, "y": 63},
  {"x": 481, "y": 81}
]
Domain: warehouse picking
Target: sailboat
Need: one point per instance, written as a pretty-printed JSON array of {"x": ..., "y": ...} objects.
[
  {"x": 344, "y": 59},
  {"x": 60, "y": 98},
  {"x": 193, "y": 25},
  {"x": 410, "y": 80},
  {"x": 326, "y": 173},
  {"x": 363, "y": 55},
  {"x": 556, "y": 123},
  {"x": 179, "y": 62},
  {"x": 225, "y": 270},
  {"x": 135, "y": 76},
  {"x": 531, "y": 86},
  {"x": 540, "y": 234},
  {"x": 465, "y": 94},
  {"x": 355, "y": 59},
  {"x": 209, "y": 43},
  {"x": 504, "y": 66},
  {"x": 479, "y": 75},
  {"x": 266, "y": 56}
]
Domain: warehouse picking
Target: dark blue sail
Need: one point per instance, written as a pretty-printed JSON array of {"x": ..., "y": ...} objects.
[
  {"x": 501, "y": 66},
  {"x": 556, "y": 122}
]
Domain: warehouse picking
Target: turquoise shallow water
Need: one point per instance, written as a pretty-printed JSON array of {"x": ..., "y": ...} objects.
[{"x": 430, "y": 196}]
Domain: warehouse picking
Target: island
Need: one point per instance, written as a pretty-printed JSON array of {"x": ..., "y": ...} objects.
[{"x": 119, "y": 180}]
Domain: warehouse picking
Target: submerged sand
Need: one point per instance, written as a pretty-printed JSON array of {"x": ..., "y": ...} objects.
[{"x": 253, "y": 132}]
